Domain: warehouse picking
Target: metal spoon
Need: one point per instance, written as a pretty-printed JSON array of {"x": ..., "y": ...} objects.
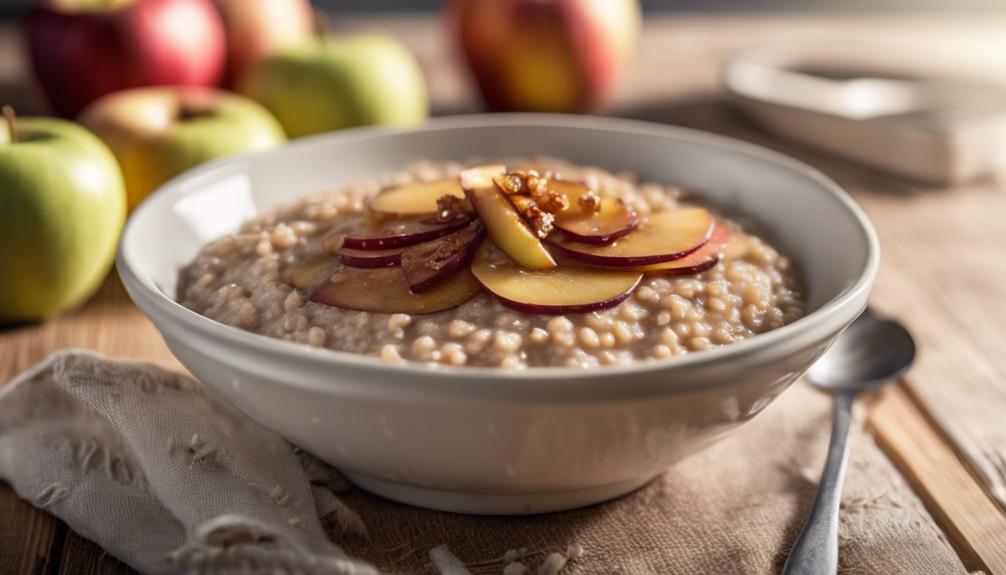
[{"x": 871, "y": 352}]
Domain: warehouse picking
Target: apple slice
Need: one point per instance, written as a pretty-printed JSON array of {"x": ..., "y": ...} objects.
[
  {"x": 565, "y": 289},
  {"x": 613, "y": 221},
  {"x": 430, "y": 263},
  {"x": 309, "y": 274},
  {"x": 663, "y": 237},
  {"x": 385, "y": 290},
  {"x": 416, "y": 199},
  {"x": 701, "y": 259},
  {"x": 370, "y": 258},
  {"x": 401, "y": 233},
  {"x": 504, "y": 225}
]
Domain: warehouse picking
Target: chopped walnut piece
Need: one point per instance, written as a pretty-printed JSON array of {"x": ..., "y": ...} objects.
[
  {"x": 553, "y": 202},
  {"x": 512, "y": 183},
  {"x": 541, "y": 221},
  {"x": 536, "y": 186},
  {"x": 524, "y": 182},
  {"x": 590, "y": 203},
  {"x": 451, "y": 208}
]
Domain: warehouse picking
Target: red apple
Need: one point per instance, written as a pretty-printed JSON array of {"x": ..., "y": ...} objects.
[
  {"x": 257, "y": 28},
  {"x": 545, "y": 55},
  {"x": 80, "y": 52}
]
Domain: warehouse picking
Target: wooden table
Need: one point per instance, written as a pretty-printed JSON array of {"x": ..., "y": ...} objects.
[{"x": 943, "y": 270}]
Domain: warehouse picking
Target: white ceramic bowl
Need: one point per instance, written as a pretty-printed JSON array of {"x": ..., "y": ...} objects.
[{"x": 484, "y": 440}]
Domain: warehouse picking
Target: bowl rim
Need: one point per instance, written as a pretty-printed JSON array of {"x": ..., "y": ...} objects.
[{"x": 837, "y": 312}]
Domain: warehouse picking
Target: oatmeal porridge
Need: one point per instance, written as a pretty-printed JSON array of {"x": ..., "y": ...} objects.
[{"x": 541, "y": 263}]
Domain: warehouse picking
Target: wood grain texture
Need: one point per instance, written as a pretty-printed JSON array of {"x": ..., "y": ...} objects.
[
  {"x": 30, "y": 540},
  {"x": 82, "y": 557},
  {"x": 108, "y": 324},
  {"x": 967, "y": 514}
]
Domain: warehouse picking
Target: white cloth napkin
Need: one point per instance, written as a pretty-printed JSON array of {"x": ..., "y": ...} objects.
[{"x": 156, "y": 470}]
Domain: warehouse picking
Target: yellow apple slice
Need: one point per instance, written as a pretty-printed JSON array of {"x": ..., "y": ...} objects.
[
  {"x": 663, "y": 237},
  {"x": 565, "y": 289},
  {"x": 415, "y": 199},
  {"x": 386, "y": 290},
  {"x": 614, "y": 220},
  {"x": 504, "y": 225}
]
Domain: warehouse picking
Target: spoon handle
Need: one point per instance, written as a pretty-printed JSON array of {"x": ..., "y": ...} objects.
[{"x": 816, "y": 550}]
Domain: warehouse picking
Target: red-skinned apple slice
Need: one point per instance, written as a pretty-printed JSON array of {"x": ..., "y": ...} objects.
[
  {"x": 564, "y": 289},
  {"x": 613, "y": 221},
  {"x": 503, "y": 223},
  {"x": 663, "y": 237},
  {"x": 701, "y": 259},
  {"x": 401, "y": 233},
  {"x": 416, "y": 199},
  {"x": 370, "y": 258},
  {"x": 428, "y": 264},
  {"x": 385, "y": 290}
]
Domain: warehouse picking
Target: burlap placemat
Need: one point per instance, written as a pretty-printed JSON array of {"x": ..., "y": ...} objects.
[
  {"x": 167, "y": 478},
  {"x": 735, "y": 508}
]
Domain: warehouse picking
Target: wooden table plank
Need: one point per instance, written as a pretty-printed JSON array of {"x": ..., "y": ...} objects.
[
  {"x": 82, "y": 557},
  {"x": 958, "y": 503},
  {"x": 30, "y": 540}
]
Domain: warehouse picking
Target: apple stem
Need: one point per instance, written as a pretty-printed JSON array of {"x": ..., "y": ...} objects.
[
  {"x": 11, "y": 116},
  {"x": 322, "y": 25},
  {"x": 192, "y": 108}
]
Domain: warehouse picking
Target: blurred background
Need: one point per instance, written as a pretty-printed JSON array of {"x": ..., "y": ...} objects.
[{"x": 14, "y": 7}]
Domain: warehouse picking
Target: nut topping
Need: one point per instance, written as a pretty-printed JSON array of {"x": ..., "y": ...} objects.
[
  {"x": 590, "y": 203},
  {"x": 553, "y": 202},
  {"x": 541, "y": 221},
  {"x": 451, "y": 208}
]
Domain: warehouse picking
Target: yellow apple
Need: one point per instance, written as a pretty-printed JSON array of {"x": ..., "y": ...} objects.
[
  {"x": 545, "y": 55},
  {"x": 158, "y": 133}
]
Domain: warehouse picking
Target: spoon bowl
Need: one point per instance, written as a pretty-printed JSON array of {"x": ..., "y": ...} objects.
[{"x": 869, "y": 353}]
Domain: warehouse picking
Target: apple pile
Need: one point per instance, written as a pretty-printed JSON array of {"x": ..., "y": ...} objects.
[{"x": 554, "y": 246}]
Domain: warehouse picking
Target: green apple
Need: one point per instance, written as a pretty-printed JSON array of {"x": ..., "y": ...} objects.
[
  {"x": 158, "y": 133},
  {"x": 62, "y": 206},
  {"x": 336, "y": 83}
]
